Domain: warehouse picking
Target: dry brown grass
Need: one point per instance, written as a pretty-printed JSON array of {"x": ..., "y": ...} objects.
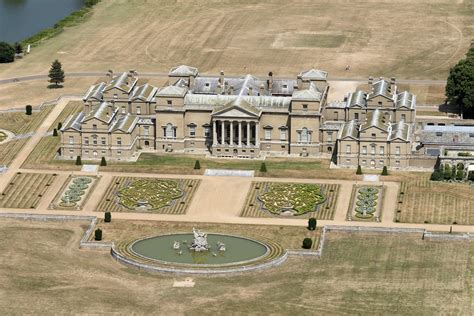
[
  {"x": 43, "y": 272},
  {"x": 421, "y": 200},
  {"x": 375, "y": 37}
]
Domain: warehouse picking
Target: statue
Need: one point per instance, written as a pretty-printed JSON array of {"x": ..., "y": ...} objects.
[
  {"x": 176, "y": 245},
  {"x": 200, "y": 241}
]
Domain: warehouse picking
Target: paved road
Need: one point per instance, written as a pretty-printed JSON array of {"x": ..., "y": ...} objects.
[{"x": 164, "y": 75}]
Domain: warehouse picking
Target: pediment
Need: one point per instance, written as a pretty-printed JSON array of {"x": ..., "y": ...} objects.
[{"x": 237, "y": 112}]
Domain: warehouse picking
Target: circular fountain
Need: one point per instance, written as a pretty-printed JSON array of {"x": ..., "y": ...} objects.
[{"x": 198, "y": 252}]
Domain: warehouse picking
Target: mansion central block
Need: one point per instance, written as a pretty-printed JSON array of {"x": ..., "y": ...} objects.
[{"x": 243, "y": 117}]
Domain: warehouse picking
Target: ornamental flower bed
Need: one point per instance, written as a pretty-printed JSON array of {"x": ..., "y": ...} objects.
[
  {"x": 75, "y": 191},
  {"x": 154, "y": 193},
  {"x": 292, "y": 198},
  {"x": 366, "y": 203}
]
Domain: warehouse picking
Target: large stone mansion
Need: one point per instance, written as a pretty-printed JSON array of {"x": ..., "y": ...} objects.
[{"x": 245, "y": 117}]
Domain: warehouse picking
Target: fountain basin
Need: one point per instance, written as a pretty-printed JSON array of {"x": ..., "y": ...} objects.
[{"x": 157, "y": 254}]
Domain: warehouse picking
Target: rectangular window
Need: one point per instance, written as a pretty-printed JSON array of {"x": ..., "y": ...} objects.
[
  {"x": 374, "y": 135},
  {"x": 356, "y": 116},
  {"x": 169, "y": 102},
  {"x": 86, "y": 141},
  {"x": 397, "y": 150},
  {"x": 282, "y": 134},
  {"x": 397, "y": 163},
  {"x": 372, "y": 150},
  {"x": 192, "y": 131},
  {"x": 305, "y": 107},
  {"x": 348, "y": 161},
  {"x": 146, "y": 130},
  {"x": 103, "y": 152},
  {"x": 364, "y": 150},
  {"x": 382, "y": 150},
  {"x": 268, "y": 134},
  {"x": 207, "y": 131},
  {"x": 123, "y": 109},
  {"x": 86, "y": 152},
  {"x": 94, "y": 140},
  {"x": 119, "y": 153},
  {"x": 119, "y": 141},
  {"x": 94, "y": 127},
  {"x": 364, "y": 162},
  {"x": 348, "y": 149},
  {"x": 336, "y": 115},
  {"x": 330, "y": 137},
  {"x": 103, "y": 140},
  {"x": 139, "y": 109},
  {"x": 381, "y": 162},
  {"x": 403, "y": 117}
]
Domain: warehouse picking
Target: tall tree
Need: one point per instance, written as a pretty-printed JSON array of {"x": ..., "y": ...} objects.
[
  {"x": 56, "y": 73},
  {"x": 460, "y": 85},
  {"x": 18, "y": 48},
  {"x": 7, "y": 53}
]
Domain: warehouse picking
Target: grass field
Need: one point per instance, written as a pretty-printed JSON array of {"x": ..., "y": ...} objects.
[
  {"x": 43, "y": 154},
  {"x": 325, "y": 211},
  {"x": 259, "y": 36},
  {"x": 19, "y": 123},
  {"x": 358, "y": 274},
  {"x": 26, "y": 190},
  {"x": 421, "y": 200},
  {"x": 110, "y": 202}
]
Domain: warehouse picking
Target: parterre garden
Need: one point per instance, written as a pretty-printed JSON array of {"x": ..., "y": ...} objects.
[
  {"x": 25, "y": 190},
  {"x": 74, "y": 193},
  {"x": 423, "y": 201},
  {"x": 296, "y": 200},
  {"x": 3, "y": 136},
  {"x": 19, "y": 123},
  {"x": 366, "y": 203},
  {"x": 163, "y": 196}
]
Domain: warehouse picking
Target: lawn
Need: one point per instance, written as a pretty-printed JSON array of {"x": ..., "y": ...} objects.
[
  {"x": 253, "y": 206},
  {"x": 421, "y": 200},
  {"x": 26, "y": 190},
  {"x": 358, "y": 274},
  {"x": 125, "y": 193}
]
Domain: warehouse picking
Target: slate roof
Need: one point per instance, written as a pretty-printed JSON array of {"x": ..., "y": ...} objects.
[
  {"x": 446, "y": 135},
  {"x": 183, "y": 71},
  {"x": 124, "y": 123},
  {"x": 122, "y": 82},
  {"x": 381, "y": 87},
  {"x": 349, "y": 129},
  {"x": 144, "y": 93},
  {"x": 357, "y": 98},
  {"x": 374, "y": 119},
  {"x": 95, "y": 91},
  {"x": 405, "y": 99},
  {"x": 73, "y": 122},
  {"x": 101, "y": 113},
  {"x": 313, "y": 74},
  {"x": 400, "y": 130},
  {"x": 311, "y": 94},
  {"x": 172, "y": 91}
]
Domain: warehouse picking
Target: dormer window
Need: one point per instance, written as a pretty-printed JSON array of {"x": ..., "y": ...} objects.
[
  {"x": 305, "y": 107},
  {"x": 207, "y": 84},
  {"x": 285, "y": 86}
]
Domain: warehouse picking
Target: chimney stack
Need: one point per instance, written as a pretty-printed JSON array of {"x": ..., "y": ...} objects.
[
  {"x": 221, "y": 77},
  {"x": 262, "y": 89},
  {"x": 270, "y": 81},
  {"x": 371, "y": 80},
  {"x": 231, "y": 90},
  {"x": 250, "y": 90},
  {"x": 109, "y": 75},
  {"x": 219, "y": 88}
]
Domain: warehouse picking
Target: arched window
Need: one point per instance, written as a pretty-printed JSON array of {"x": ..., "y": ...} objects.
[
  {"x": 170, "y": 131},
  {"x": 305, "y": 136}
]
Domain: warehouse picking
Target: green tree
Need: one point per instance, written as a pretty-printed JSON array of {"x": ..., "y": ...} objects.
[
  {"x": 384, "y": 171},
  {"x": 28, "y": 109},
  {"x": 78, "y": 161},
  {"x": 103, "y": 162},
  {"x": 460, "y": 174},
  {"x": 55, "y": 132},
  {"x": 312, "y": 223},
  {"x": 56, "y": 73},
  {"x": 359, "y": 170},
  {"x": 98, "y": 234},
  {"x": 436, "y": 176},
  {"x": 107, "y": 217},
  {"x": 197, "y": 165},
  {"x": 307, "y": 243},
  {"x": 18, "y": 48},
  {"x": 60, "y": 125},
  {"x": 7, "y": 53},
  {"x": 460, "y": 85},
  {"x": 263, "y": 167}
]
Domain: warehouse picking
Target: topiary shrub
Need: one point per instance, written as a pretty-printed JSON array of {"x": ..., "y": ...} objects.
[
  {"x": 60, "y": 125},
  {"x": 28, "y": 109},
  {"x": 307, "y": 243},
  {"x": 263, "y": 167},
  {"x": 103, "y": 162},
  {"x": 98, "y": 234},
  {"x": 447, "y": 172},
  {"x": 436, "y": 176},
  {"x": 197, "y": 165},
  {"x": 107, "y": 217},
  {"x": 55, "y": 132},
  {"x": 384, "y": 171},
  {"x": 359, "y": 170},
  {"x": 78, "y": 161},
  {"x": 312, "y": 223}
]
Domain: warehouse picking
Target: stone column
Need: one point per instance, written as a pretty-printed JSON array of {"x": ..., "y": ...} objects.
[
  {"x": 248, "y": 133},
  {"x": 222, "y": 133},
  {"x": 240, "y": 133},
  {"x": 214, "y": 133},
  {"x": 257, "y": 140},
  {"x": 231, "y": 140}
]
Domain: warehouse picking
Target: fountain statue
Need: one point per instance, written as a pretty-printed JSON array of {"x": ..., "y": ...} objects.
[
  {"x": 200, "y": 241},
  {"x": 176, "y": 245}
]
